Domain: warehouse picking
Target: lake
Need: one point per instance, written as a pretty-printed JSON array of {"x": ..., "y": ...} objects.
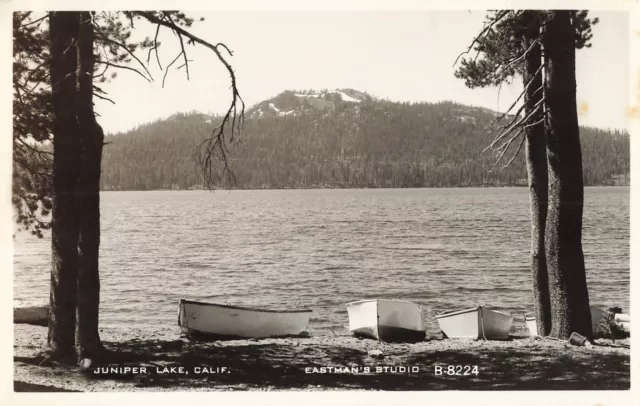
[{"x": 443, "y": 248}]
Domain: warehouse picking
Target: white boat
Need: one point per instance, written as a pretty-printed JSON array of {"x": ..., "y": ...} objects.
[
  {"x": 38, "y": 315},
  {"x": 227, "y": 322},
  {"x": 386, "y": 320},
  {"x": 530, "y": 320},
  {"x": 624, "y": 322},
  {"x": 475, "y": 322},
  {"x": 621, "y": 319}
]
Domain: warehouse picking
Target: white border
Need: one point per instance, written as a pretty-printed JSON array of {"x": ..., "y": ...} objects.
[{"x": 493, "y": 398}]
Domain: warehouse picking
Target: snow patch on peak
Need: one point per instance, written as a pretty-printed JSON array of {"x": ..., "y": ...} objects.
[
  {"x": 311, "y": 94},
  {"x": 347, "y": 98},
  {"x": 277, "y": 110},
  {"x": 321, "y": 95}
]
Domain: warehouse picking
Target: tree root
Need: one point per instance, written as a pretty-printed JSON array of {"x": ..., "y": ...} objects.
[{"x": 50, "y": 356}]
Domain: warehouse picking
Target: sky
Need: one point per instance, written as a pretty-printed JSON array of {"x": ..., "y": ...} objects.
[{"x": 396, "y": 55}]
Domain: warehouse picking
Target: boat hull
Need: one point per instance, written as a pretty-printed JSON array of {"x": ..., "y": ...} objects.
[
  {"x": 475, "y": 322},
  {"x": 530, "y": 321},
  {"x": 217, "y": 321},
  {"x": 36, "y": 315},
  {"x": 386, "y": 320}
]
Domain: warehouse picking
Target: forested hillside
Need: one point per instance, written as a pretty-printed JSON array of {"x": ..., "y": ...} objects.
[{"x": 342, "y": 138}]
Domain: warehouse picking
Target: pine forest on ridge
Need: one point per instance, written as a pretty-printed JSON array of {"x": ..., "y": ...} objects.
[{"x": 343, "y": 139}]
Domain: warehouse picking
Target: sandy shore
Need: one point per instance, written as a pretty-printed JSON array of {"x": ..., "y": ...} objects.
[{"x": 296, "y": 364}]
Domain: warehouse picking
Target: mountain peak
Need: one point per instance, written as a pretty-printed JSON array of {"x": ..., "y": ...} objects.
[{"x": 294, "y": 102}]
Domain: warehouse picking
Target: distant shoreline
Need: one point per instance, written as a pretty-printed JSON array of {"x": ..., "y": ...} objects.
[{"x": 339, "y": 188}]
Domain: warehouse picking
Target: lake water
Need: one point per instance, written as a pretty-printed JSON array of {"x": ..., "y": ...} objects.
[{"x": 443, "y": 248}]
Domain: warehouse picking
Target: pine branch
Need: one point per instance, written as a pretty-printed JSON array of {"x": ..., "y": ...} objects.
[
  {"x": 517, "y": 152},
  {"x": 39, "y": 20},
  {"x": 524, "y": 55},
  {"x": 504, "y": 150},
  {"x": 184, "y": 53},
  {"x": 103, "y": 72},
  {"x": 47, "y": 154},
  {"x": 507, "y": 131},
  {"x": 483, "y": 33},
  {"x": 510, "y": 63},
  {"x": 168, "y": 66},
  {"x": 535, "y": 123},
  {"x": 123, "y": 46},
  {"x": 114, "y": 65},
  {"x": 34, "y": 70},
  {"x": 526, "y": 87},
  {"x": 155, "y": 48},
  {"x": 232, "y": 117},
  {"x": 103, "y": 98}
]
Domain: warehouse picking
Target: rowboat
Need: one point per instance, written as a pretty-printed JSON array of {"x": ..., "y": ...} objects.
[
  {"x": 386, "y": 320},
  {"x": 475, "y": 322},
  {"x": 227, "y": 322},
  {"x": 621, "y": 319},
  {"x": 530, "y": 321},
  {"x": 38, "y": 315}
]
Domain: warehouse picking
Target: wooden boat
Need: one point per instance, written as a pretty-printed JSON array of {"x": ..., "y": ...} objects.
[
  {"x": 386, "y": 320},
  {"x": 227, "y": 322},
  {"x": 38, "y": 315},
  {"x": 475, "y": 322},
  {"x": 530, "y": 321},
  {"x": 621, "y": 319}
]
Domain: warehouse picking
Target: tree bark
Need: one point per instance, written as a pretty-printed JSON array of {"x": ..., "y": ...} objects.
[
  {"x": 536, "y": 160},
  {"x": 66, "y": 161},
  {"x": 92, "y": 137},
  {"x": 563, "y": 237}
]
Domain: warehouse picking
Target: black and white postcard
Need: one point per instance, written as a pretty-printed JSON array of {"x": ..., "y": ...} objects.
[{"x": 335, "y": 200}]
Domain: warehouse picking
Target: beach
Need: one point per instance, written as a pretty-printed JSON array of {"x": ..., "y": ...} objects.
[{"x": 162, "y": 360}]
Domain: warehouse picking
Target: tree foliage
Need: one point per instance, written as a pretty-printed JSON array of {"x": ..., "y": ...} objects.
[
  {"x": 499, "y": 52},
  {"x": 32, "y": 122},
  {"x": 116, "y": 52}
]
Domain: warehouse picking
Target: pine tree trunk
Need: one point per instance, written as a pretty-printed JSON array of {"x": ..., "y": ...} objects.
[
  {"x": 563, "y": 238},
  {"x": 66, "y": 161},
  {"x": 87, "y": 312},
  {"x": 536, "y": 159}
]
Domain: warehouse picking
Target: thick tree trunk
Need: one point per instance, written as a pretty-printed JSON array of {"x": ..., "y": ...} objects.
[
  {"x": 87, "y": 312},
  {"x": 536, "y": 158},
  {"x": 563, "y": 238},
  {"x": 66, "y": 161}
]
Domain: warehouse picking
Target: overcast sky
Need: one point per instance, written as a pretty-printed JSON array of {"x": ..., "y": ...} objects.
[{"x": 397, "y": 55}]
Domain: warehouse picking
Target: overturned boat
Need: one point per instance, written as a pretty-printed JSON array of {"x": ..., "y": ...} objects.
[
  {"x": 475, "y": 322},
  {"x": 219, "y": 321},
  {"x": 36, "y": 315},
  {"x": 386, "y": 320}
]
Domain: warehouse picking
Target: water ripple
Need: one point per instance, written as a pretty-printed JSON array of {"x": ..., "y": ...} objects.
[{"x": 443, "y": 248}]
